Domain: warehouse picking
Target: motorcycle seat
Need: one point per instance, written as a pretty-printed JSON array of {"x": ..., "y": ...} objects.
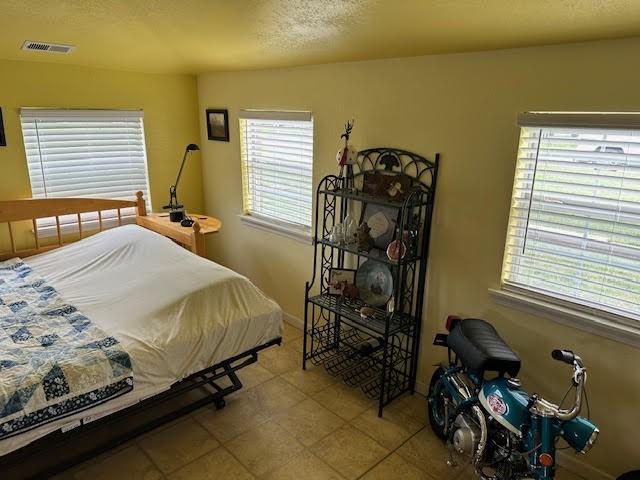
[{"x": 480, "y": 348}]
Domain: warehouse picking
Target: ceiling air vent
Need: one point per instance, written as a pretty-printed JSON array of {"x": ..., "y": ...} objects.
[{"x": 47, "y": 47}]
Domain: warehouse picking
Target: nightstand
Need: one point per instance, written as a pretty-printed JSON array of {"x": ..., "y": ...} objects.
[{"x": 191, "y": 237}]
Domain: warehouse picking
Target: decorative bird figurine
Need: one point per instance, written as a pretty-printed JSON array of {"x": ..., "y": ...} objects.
[{"x": 347, "y": 155}]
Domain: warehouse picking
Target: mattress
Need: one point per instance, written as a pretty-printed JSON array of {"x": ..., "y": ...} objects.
[{"x": 175, "y": 313}]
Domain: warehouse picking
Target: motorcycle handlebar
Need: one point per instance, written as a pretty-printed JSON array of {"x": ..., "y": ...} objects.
[
  {"x": 568, "y": 357},
  {"x": 579, "y": 379},
  {"x": 565, "y": 356}
]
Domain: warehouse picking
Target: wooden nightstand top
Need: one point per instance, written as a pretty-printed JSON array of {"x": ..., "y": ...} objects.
[
  {"x": 191, "y": 237},
  {"x": 207, "y": 224}
]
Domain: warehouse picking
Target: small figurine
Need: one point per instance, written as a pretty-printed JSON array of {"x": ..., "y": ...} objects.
[
  {"x": 395, "y": 189},
  {"x": 391, "y": 305},
  {"x": 366, "y": 312},
  {"x": 347, "y": 155},
  {"x": 346, "y": 289},
  {"x": 365, "y": 241},
  {"x": 350, "y": 291}
]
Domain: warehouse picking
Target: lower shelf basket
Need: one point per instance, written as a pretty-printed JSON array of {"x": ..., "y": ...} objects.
[{"x": 358, "y": 359}]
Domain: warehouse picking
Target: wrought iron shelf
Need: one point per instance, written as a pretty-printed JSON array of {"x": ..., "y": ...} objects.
[
  {"x": 377, "y": 353},
  {"x": 353, "y": 194},
  {"x": 376, "y": 254},
  {"x": 349, "y": 309}
]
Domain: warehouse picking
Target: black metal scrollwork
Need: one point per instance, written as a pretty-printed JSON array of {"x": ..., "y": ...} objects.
[{"x": 395, "y": 160}]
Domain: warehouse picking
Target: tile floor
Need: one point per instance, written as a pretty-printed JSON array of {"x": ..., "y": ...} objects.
[{"x": 286, "y": 424}]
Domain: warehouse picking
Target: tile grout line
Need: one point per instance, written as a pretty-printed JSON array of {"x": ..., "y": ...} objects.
[
  {"x": 422, "y": 425},
  {"x": 144, "y": 452},
  {"x": 327, "y": 464},
  {"x": 232, "y": 438},
  {"x": 270, "y": 417},
  {"x": 389, "y": 454},
  {"x": 237, "y": 460},
  {"x": 171, "y": 472}
]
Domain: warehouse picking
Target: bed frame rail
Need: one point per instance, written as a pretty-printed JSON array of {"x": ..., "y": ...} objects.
[
  {"x": 32, "y": 209},
  {"x": 59, "y": 450}
]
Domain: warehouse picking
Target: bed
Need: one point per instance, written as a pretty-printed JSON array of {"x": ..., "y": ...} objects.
[{"x": 184, "y": 321}]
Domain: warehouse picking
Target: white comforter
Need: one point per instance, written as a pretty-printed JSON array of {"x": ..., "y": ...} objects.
[{"x": 174, "y": 312}]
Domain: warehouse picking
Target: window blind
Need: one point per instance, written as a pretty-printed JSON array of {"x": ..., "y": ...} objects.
[
  {"x": 574, "y": 227},
  {"x": 85, "y": 153},
  {"x": 277, "y": 164}
]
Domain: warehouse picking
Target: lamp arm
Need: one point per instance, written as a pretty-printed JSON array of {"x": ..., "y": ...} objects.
[
  {"x": 184, "y": 158},
  {"x": 173, "y": 196}
]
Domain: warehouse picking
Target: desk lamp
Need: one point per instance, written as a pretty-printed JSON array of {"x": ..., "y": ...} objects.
[{"x": 176, "y": 210}]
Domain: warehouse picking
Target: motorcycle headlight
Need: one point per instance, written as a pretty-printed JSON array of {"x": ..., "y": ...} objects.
[
  {"x": 591, "y": 441},
  {"x": 580, "y": 434}
]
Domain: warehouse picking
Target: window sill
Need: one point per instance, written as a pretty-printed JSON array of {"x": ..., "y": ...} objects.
[
  {"x": 297, "y": 234},
  {"x": 598, "y": 325}
]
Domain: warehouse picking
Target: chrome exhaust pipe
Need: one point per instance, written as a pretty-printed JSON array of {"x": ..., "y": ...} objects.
[{"x": 482, "y": 444}]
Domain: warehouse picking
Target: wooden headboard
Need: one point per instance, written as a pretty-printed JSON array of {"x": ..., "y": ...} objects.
[{"x": 31, "y": 209}]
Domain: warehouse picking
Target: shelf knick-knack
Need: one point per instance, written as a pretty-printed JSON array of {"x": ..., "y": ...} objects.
[{"x": 365, "y": 242}]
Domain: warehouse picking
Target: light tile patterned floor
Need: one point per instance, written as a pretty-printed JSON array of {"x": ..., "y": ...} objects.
[{"x": 286, "y": 424}]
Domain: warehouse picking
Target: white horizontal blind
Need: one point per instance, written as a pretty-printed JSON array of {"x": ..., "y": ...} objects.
[
  {"x": 574, "y": 227},
  {"x": 85, "y": 153},
  {"x": 277, "y": 164}
]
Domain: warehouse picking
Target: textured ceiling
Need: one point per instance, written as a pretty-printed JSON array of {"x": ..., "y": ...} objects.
[{"x": 192, "y": 36}]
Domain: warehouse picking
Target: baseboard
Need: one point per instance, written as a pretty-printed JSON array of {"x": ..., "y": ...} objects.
[
  {"x": 574, "y": 464},
  {"x": 421, "y": 388},
  {"x": 292, "y": 320}
]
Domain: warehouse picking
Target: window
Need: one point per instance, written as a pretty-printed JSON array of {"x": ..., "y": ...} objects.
[
  {"x": 277, "y": 164},
  {"x": 85, "y": 153},
  {"x": 574, "y": 226}
]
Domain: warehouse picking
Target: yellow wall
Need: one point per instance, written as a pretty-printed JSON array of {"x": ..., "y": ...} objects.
[
  {"x": 465, "y": 107},
  {"x": 169, "y": 103}
]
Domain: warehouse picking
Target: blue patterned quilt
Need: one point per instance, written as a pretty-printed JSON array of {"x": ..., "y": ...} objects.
[{"x": 53, "y": 360}]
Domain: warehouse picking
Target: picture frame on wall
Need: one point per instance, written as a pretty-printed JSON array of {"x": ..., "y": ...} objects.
[
  {"x": 218, "y": 124},
  {"x": 3, "y": 138}
]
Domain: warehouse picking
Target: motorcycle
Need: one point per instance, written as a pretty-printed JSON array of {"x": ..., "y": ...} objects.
[{"x": 494, "y": 424}]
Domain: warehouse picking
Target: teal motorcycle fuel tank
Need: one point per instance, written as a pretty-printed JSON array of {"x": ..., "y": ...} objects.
[{"x": 506, "y": 402}]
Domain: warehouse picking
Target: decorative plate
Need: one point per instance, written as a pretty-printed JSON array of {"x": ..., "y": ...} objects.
[
  {"x": 396, "y": 250},
  {"x": 375, "y": 283},
  {"x": 382, "y": 221}
]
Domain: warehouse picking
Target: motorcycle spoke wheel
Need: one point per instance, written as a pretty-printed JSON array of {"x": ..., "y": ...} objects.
[{"x": 438, "y": 395}]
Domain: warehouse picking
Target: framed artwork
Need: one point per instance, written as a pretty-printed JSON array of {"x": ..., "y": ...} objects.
[
  {"x": 394, "y": 187},
  {"x": 339, "y": 278},
  {"x": 3, "y": 139},
  {"x": 376, "y": 183},
  {"x": 218, "y": 124}
]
